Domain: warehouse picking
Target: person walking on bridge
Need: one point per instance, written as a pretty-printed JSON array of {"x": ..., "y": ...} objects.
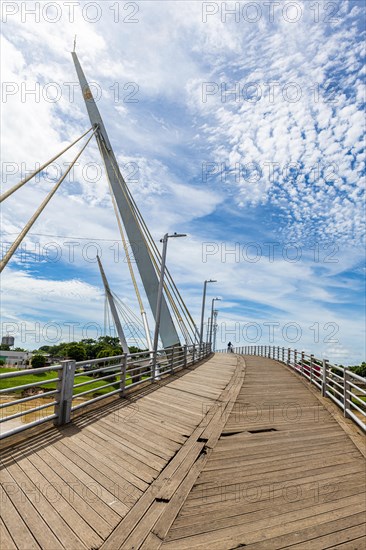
[{"x": 230, "y": 348}]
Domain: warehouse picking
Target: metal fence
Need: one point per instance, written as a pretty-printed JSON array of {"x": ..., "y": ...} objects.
[
  {"x": 78, "y": 384},
  {"x": 346, "y": 388}
]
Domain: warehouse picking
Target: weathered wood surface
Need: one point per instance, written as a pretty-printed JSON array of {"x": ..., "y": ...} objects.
[
  {"x": 232, "y": 454},
  {"x": 70, "y": 487},
  {"x": 284, "y": 474}
]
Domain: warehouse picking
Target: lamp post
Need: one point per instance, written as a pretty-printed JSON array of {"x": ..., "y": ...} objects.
[
  {"x": 164, "y": 240},
  {"x": 212, "y": 314},
  {"x": 215, "y": 330},
  {"x": 203, "y": 307}
]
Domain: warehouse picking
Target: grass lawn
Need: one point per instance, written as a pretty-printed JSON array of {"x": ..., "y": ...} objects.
[{"x": 40, "y": 379}]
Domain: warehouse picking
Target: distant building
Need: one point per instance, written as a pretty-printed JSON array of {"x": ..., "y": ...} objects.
[{"x": 16, "y": 358}]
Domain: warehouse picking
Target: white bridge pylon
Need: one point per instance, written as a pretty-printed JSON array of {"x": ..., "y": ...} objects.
[{"x": 144, "y": 249}]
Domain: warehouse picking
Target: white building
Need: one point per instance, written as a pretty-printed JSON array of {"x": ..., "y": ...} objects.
[{"x": 16, "y": 358}]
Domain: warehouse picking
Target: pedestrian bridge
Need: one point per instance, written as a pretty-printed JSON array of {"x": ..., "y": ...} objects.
[{"x": 237, "y": 451}]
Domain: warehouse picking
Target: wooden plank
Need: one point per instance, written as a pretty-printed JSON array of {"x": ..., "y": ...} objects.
[
  {"x": 106, "y": 495},
  {"x": 243, "y": 512},
  {"x": 36, "y": 524},
  {"x": 152, "y": 542},
  {"x": 174, "y": 483},
  {"x": 6, "y": 542},
  {"x": 300, "y": 453},
  {"x": 172, "y": 508},
  {"x": 246, "y": 533},
  {"x": 35, "y": 495},
  {"x": 78, "y": 501},
  {"x": 117, "y": 455},
  {"x": 145, "y": 525},
  {"x": 133, "y": 480},
  {"x": 60, "y": 503},
  {"x": 308, "y": 537},
  {"x": 124, "y": 445},
  {"x": 339, "y": 537},
  {"x": 247, "y": 499},
  {"x": 19, "y": 530},
  {"x": 356, "y": 544},
  {"x": 89, "y": 491}
]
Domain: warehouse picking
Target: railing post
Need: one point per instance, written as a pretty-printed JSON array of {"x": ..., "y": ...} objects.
[
  {"x": 295, "y": 359},
  {"x": 172, "y": 361},
  {"x": 193, "y": 353},
  {"x": 283, "y": 354},
  {"x": 302, "y": 363},
  {"x": 185, "y": 348},
  {"x": 123, "y": 375},
  {"x": 153, "y": 366},
  {"x": 311, "y": 368},
  {"x": 346, "y": 378},
  {"x": 324, "y": 378},
  {"x": 278, "y": 353},
  {"x": 65, "y": 387},
  {"x": 288, "y": 356}
]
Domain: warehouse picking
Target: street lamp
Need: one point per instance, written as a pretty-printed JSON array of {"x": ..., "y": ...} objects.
[
  {"x": 164, "y": 240},
  {"x": 212, "y": 312},
  {"x": 203, "y": 307},
  {"x": 215, "y": 330}
]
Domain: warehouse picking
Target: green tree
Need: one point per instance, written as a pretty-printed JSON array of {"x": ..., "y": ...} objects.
[
  {"x": 2, "y": 362},
  {"x": 4, "y": 347},
  {"x": 106, "y": 352},
  {"x": 38, "y": 361},
  {"x": 360, "y": 370},
  {"x": 76, "y": 351}
]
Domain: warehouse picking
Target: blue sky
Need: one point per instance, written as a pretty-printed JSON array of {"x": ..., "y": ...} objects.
[{"x": 244, "y": 131}]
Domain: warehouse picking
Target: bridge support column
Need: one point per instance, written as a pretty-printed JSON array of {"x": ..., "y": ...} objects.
[{"x": 65, "y": 387}]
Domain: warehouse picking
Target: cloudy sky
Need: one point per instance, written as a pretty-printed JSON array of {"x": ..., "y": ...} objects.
[{"x": 238, "y": 123}]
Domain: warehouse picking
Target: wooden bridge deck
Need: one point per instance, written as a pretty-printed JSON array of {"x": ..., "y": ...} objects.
[{"x": 232, "y": 454}]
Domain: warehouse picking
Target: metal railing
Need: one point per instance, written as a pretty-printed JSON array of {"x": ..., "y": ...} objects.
[
  {"x": 79, "y": 384},
  {"x": 346, "y": 388}
]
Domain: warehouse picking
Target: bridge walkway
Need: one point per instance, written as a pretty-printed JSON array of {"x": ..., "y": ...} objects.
[
  {"x": 234, "y": 453},
  {"x": 70, "y": 487},
  {"x": 284, "y": 474}
]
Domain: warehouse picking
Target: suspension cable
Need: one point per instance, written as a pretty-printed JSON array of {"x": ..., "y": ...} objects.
[
  {"x": 170, "y": 279},
  {"x": 36, "y": 215},
  {"x": 153, "y": 249},
  {"x": 25, "y": 180}
]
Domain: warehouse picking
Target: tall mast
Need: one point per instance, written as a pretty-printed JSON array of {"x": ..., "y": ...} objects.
[
  {"x": 112, "y": 305},
  {"x": 149, "y": 277}
]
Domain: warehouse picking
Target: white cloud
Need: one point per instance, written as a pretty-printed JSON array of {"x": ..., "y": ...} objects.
[{"x": 169, "y": 54}]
